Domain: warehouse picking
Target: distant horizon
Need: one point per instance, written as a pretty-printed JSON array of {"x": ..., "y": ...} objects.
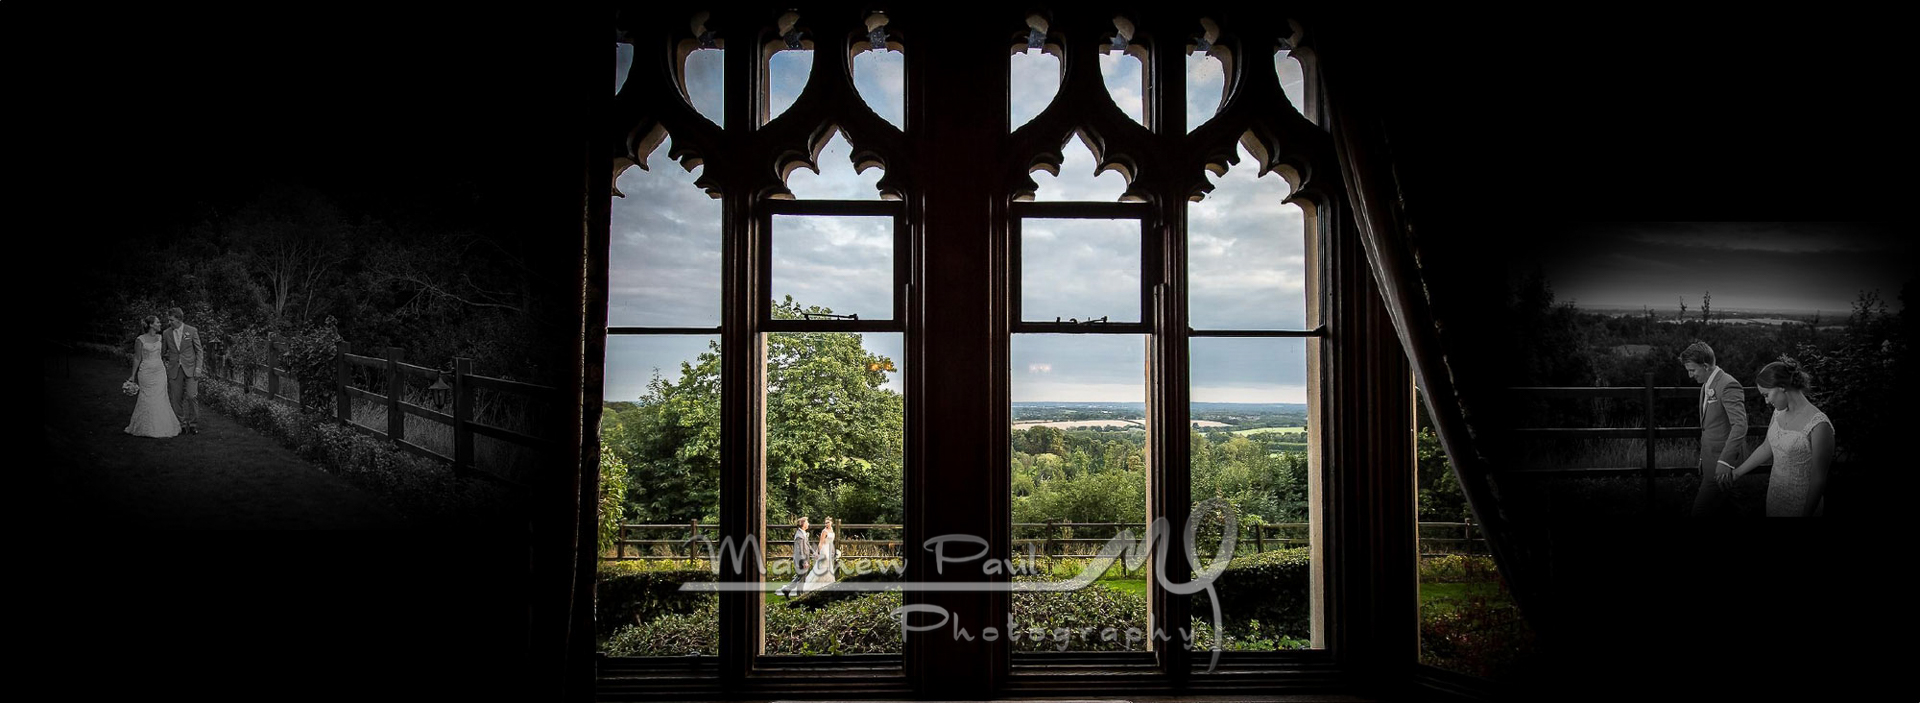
[{"x": 1671, "y": 305}]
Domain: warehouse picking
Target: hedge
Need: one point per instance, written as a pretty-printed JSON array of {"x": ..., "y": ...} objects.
[
  {"x": 863, "y": 623},
  {"x": 625, "y": 597},
  {"x": 1272, "y": 588}
]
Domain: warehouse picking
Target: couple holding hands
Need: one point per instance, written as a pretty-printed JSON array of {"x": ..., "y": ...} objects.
[
  {"x": 1799, "y": 440},
  {"x": 813, "y": 568}
]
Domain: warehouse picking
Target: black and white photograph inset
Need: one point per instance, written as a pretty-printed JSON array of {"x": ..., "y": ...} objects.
[{"x": 1708, "y": 370}]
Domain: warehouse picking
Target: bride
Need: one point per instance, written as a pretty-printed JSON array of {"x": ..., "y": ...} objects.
[
  {"x": 1799, "y": 444},
  {"x": 153, "y": 413},
  {"x": 824, "y": 558}
]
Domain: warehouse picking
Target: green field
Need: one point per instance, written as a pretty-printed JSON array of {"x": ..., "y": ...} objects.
[{"x": 1257, "y": 430}]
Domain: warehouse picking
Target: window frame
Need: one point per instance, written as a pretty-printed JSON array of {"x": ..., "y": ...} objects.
[{"x": 1359, "y": 360}]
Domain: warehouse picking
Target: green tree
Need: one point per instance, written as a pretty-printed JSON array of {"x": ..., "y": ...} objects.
[{"x": 833, "y": 444}]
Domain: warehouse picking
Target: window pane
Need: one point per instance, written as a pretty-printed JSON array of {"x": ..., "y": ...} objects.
[
  {"x": 1206, "y": 87},
  {"x": 1293, "y": 80},
  {"x": 1077, "y": 181},
  {"x": 1080, "y": 269},
  {"x": 660, "y": 479},
  {"x": 704, "y": 86},
  {"x": 1034, "y": 78},
  {"x": 1122, "y": 72},
  {"x": 1250, "y": 461},
  {"x": 881, "y": 79},
  {"x": 1469, "y": 622},
  {"x": 787, "y": 73},
  {"x": 841, "y": 265},
  {"x": 834, "y": 451},
  {"x": 1246, "y": 254},
  {"x": 664, "y": 262},
  {"x": 1079, "y": 477},
  {"x": 622, "y": 62},
  {"x": 836, "y": 179}
]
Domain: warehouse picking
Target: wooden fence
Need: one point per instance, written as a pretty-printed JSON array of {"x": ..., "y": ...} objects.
[
  {"x": 462, "y": 384},
  {"x": 1057, "y": 539},
  {"x": 1647, "y": 394}
]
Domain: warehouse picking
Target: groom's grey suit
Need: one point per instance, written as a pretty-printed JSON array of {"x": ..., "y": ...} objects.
[
  {"x": 183, "y": 353},
  {"x": 1723, "y": 437},
  {"x": 802, "y": 551}
]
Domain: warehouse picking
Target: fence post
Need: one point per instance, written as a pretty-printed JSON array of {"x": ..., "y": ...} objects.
[
  {"x": 1260, "y": 538},
  {"x": 1651, "y": 502},
  {"x": 342, "y": 403},
  {"x": 1046, "y": 545},
  {"x": 462, "y": 415},
  {"x": 396, "y": 425},
  {"x": 273, "y": 375}
]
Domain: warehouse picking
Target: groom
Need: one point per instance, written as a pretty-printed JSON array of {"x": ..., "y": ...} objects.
[
  {"x": 1723, "y": 427},
  {"x": 802, "y": 557},
  {"x": 183, "y": 355}
]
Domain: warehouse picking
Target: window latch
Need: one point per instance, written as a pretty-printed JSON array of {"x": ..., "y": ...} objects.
[
  {"x": 828, "y": 316},
  {"x": 1077, "y": 321}
]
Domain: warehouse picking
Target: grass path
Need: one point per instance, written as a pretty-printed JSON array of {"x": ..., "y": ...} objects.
[{"x": 226, "y": 477}]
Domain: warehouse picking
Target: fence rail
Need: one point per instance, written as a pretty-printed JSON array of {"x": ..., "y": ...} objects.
[
  {"x": 691, "y": 541},
  {"x": 1647, "y": 394},
  {"x": 461, "y": 383}
]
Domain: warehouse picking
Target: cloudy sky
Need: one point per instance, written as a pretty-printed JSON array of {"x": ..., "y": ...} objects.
[
  {"x": 1779, "y": 266},
  {"x": 1246, "y": 250}
]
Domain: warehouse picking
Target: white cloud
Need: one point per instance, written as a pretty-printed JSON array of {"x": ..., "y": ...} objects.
[
  {"x": 1076, "y": 181},
  {"x": 1039, "y": 368},
  {"x": 1034, "y": 78}
]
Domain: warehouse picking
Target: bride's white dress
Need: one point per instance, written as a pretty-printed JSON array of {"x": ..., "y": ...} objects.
[
  {"x": 1790, "y": 479},
  {"x": 822, "y": 573},
  {"x": 153, "y": 412}
]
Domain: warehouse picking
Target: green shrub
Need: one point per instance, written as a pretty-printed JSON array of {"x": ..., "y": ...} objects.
[
  {"x": 425, "y": 491},
  {"x": 692, "y": 633},
  {"x": 625, "y": 596},
  {"x": 1253, "y": 640},
  {"x": 1272, "y": 588},
  {"x": 1480, "y": 635},
  {"x": 1079, "y": 620},
  {"x": 815, "y": 600},
  {"x": 860, "y": 625},
  {"x": 1458, "y": 568}
]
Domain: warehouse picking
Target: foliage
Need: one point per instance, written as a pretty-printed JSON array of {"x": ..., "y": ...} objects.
[
  {"x": 1458, "y": 568},
  {"x": 1091, "y": 619},
  {"x": 1252, "y": 640},
  {"x": 612, "y": 510},
  {"x": 1440, "y": 498},
  {"x": 628, "y": 597},
  {"x": 1480, "y": 634},
  {"x": 1850, "y": 378},
  {"x": 309, "y": 356},
  {"x": 695, "y": 633},
  {"x": 425, "y": 491},
  {"x": 1271, "y": 587},
  {"x": 289, "y": 258},
  {"x": 834, "y": 434}
]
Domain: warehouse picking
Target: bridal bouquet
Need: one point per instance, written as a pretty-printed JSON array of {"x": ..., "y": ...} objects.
[{"x": 130, "y": 388}]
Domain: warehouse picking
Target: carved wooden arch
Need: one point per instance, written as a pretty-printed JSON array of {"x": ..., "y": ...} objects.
[
  {"x": 1254, "y": 111},
  {"x": 1081, "y": 107},
  {"x": 652, "y": 103},
  {"x": 756, "y": 158}
]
